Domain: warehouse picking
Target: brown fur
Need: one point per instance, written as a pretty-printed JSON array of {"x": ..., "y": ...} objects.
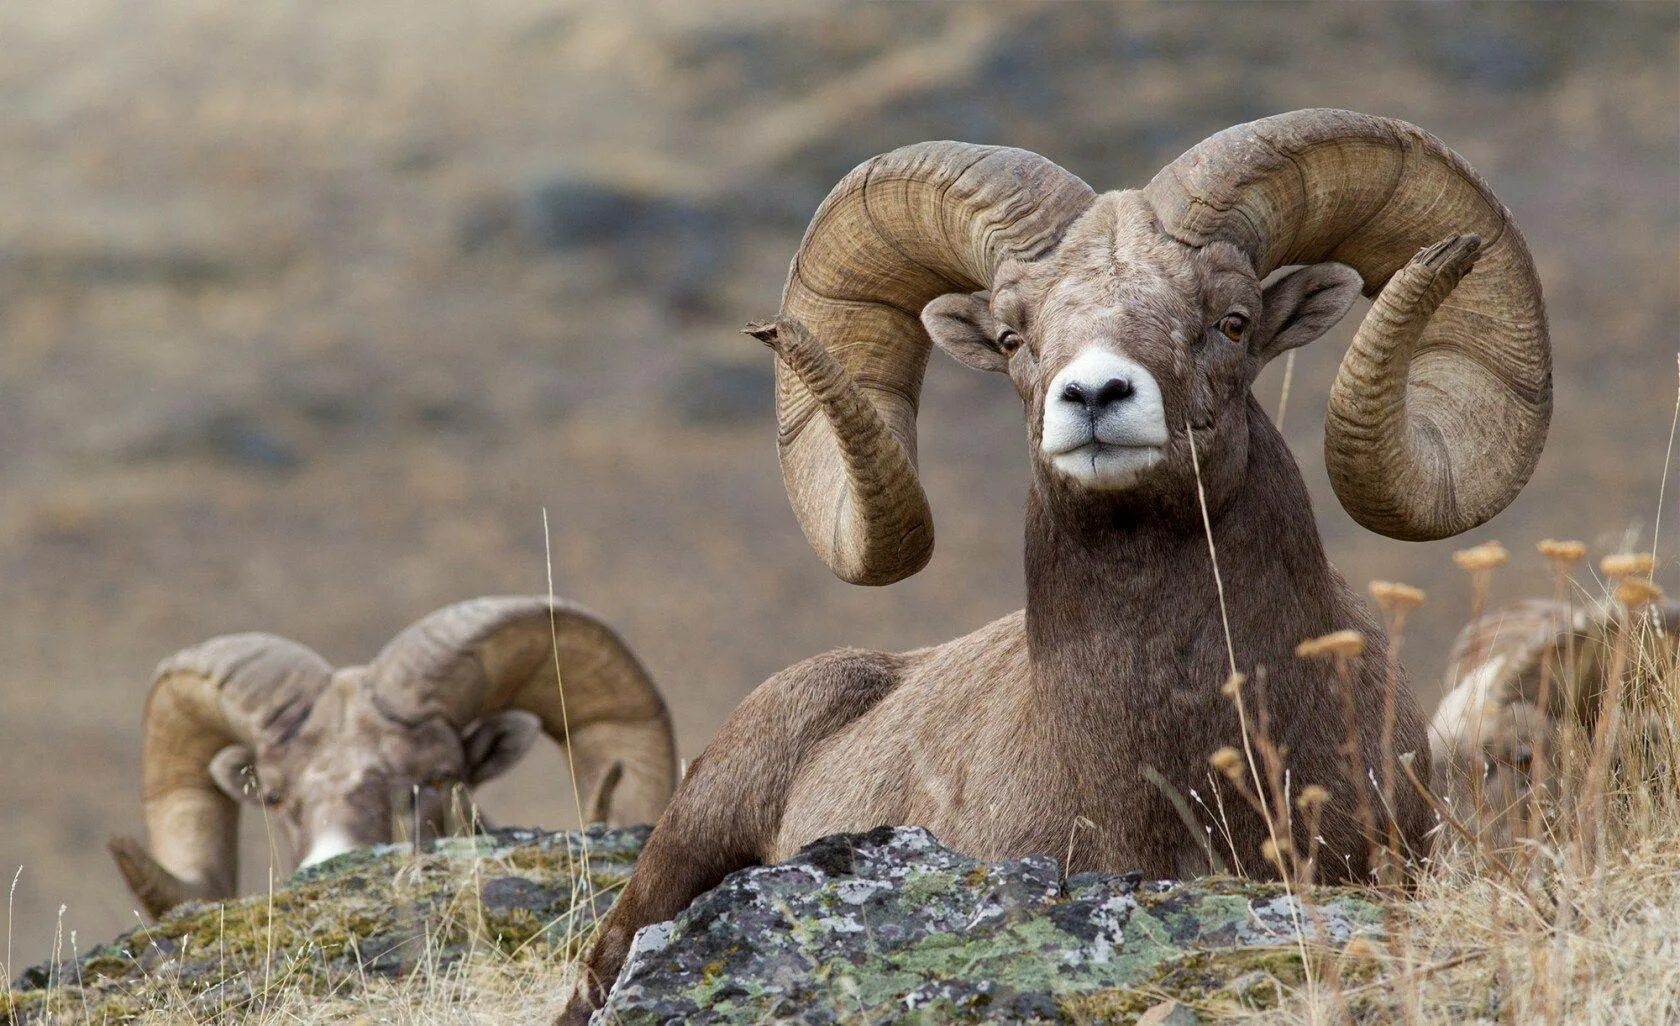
[{"x": 1004, "y": 742}]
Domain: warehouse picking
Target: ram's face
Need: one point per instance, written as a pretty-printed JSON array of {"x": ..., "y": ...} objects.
[
  {"x": 1123, "y": 341},
  {"x": 353, "y": 775},
  {"x": 1122, "y": 354}
]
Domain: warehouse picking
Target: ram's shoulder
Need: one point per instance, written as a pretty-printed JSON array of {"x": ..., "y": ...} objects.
[{"x": 996, "y": 652}]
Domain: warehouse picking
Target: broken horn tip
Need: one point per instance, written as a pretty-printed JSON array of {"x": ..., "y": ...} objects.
[{"x": 764, "y": 331}]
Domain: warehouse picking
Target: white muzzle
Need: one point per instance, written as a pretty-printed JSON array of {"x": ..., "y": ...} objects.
[
  {"x": 1103, "y": 421},
  {"x": 330, "y": 844}
]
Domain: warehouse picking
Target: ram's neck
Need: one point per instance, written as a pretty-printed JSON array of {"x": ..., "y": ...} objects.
[{"x": 1123, "y": 617}]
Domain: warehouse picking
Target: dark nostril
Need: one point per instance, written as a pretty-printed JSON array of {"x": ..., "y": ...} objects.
[{"x": 1114, "y": 390}]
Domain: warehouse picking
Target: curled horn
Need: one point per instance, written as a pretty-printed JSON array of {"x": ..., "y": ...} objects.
[
  {"x": 484, "y": 655},
  {"x": 1441, "y": 405},
  {"x": 898, "y": 231},
  {"x": 238, "y": 688}
]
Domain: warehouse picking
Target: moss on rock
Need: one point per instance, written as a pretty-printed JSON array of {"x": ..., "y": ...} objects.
[
  {"x": 380, "y": 911},
  {"x": 888, "y": 926}
]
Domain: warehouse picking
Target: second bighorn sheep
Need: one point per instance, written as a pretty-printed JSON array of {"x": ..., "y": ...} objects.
[
  {"x": 1132, "y": 325},
  {"x": 348, "y": 757},
  {"x": 1519, "y": 675}
]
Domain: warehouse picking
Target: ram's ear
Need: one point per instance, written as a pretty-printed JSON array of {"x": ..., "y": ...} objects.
[
  {"x": 961, "y": 323},
  {"x": 1302, "y": 305},
  {"x": 234, "y": 769},
  {"x": 495, "y": 743}
]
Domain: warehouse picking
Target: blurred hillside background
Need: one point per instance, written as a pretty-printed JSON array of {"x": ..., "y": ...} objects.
[{"x": 308, "y": 311}]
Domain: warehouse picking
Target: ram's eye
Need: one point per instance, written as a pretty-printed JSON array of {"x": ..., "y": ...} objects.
[
  {"x": 253, "y": 785},
  {"x": 1009, "y": 340},
  {"x": 1233, "y": 325}
]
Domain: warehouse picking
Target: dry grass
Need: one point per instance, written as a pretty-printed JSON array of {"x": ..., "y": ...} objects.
[
  {"x": 1558, "y": 902},
  {"x": 1572, "y": 915},
  {"x": 480, "y": 990}
]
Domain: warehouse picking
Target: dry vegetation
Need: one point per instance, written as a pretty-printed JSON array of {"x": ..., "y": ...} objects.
[
  {"x": 490, "y": 988},
  {"x": 1557, "y": 901},
  {"x": 490, "y": 978},
  {"x": 1562, "y": 905}
]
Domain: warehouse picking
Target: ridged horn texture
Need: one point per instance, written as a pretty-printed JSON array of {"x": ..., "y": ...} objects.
[
  {"x": 236, "y": 688},
  {"x": 898, "y": 231},
  {"x": 484, "y": 655},
  {"x": 1441, "y": 405}
]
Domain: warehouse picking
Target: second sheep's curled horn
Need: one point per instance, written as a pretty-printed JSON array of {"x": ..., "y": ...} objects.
[{"x": 475, "y": 658}]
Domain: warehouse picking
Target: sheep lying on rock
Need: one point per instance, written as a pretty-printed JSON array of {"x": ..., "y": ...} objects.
[{"x": 1132, "y": 325}]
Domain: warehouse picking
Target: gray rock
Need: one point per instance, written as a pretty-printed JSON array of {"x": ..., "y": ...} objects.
[{"x": 890, "y": 926}]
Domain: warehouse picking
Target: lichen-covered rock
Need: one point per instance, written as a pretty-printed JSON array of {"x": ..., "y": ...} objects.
[
  {"x": 890, "y": 926},
  {"x": 389, "y": 911},
  {"x": 887, "y": 926}
]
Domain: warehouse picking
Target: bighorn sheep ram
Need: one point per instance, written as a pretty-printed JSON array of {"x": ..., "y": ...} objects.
[
  {"x": 1132, "y": 325},
  {"x": 340, "y": 756},
  {"x": 1517, "y": 675}
]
